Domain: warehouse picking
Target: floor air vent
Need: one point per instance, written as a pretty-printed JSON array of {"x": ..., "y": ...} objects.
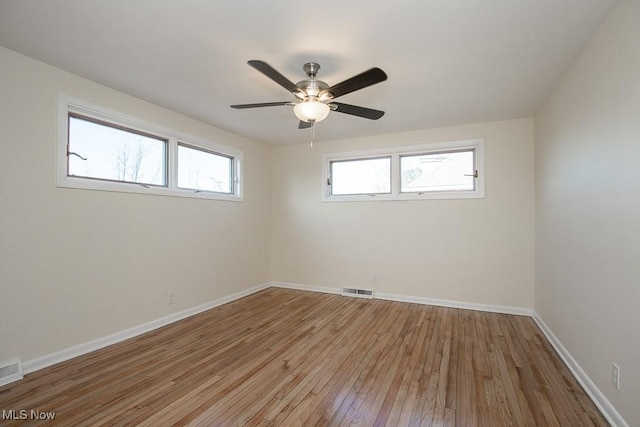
[
  {"x": 10, "y": 372},
  {"x": 358, "y": 293}
]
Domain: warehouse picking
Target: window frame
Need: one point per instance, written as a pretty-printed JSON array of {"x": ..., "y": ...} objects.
[
  {"x": 477, "y": 145},
  {"x": 95, "y": 121},
  {"x": 435, "y": 153},
  {"x": 70, "y": 106},
  {"x": 375, "y": 157},
  {"x": 215, "y": 153}
]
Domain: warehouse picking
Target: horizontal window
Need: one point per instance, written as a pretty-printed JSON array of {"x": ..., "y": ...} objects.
[
  {"x": 102, "y": 151},
  {"x": 204, "y": 170},
  {"x": 99, "y": 149},
  {"x": 361, "y": 176},
  {"x": 442, "y": 171},
  {"x": 434, "y": 171}
]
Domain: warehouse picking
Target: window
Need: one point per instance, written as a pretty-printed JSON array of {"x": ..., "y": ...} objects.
[
  {"x": 435, "y": 171},
  {"x": 204, "y": 170},
  {"x": 361, "y": 176},
  {"x": 442, "y": 171},
  {"x": 101, "y": 151},
  {"x": 104, "y": 150}
]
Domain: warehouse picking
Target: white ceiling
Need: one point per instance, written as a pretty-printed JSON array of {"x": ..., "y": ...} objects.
[{"x": 449, "y": 61}]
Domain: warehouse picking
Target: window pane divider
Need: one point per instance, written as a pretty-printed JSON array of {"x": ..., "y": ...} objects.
[{"x": 172, "y": 169}]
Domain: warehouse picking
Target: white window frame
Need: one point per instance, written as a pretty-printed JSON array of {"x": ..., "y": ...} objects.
[
  {"x": 367, "y": 157},
  {"x": 396, "y": 152},
  {"x": 67, "y": 105}
]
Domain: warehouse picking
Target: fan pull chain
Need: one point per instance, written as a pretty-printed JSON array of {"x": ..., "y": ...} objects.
[{"x": 313, "y": 134}]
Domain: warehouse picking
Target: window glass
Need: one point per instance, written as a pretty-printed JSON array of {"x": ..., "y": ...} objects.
[
  {"x": 361, "y": 176},
  {"x": 98, "y": 150},
  {"x": 204, "y": 170},
  {"x": 443, "y": 171}
]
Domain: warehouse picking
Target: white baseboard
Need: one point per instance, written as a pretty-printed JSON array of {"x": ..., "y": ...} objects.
[
  {"x": 78, "y": 350},
  {"x": 505, "y": 309},
  {"x": 606, "y": 408},
  {"x": 299, "y": 287},
  {"x": 521, "y": 311}
]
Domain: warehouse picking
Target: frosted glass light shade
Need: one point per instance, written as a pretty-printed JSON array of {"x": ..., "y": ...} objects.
[{"x": 311, "y": 111}]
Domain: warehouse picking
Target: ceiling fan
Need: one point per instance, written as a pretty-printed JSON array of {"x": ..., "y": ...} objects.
[{"x": 315, "y": 98}]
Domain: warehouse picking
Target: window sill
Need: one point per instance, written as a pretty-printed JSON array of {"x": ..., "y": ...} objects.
[
  {"x": 449, "y": 195},
  {"x": 118, "y": 187}
]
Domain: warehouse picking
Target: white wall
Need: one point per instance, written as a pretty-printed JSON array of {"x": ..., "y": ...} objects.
[
  {"x": 473, "y": 250},
  {"x": 77, "y": 265},
  {"x": 588, "y": 208}
]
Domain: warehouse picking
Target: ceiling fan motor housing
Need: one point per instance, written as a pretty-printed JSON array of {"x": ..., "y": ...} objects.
[{"x": 311, "y": 86}]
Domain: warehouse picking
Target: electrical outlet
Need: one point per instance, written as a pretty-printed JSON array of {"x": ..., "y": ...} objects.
[
  {"x": 615, "y": 375},
  {"x": 374, "y": 279},
  {"x": 172, "y": 297}
]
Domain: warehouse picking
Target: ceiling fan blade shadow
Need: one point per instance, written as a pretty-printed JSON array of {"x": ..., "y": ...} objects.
[
  {"x": 261, "y": 104},
  {"x": 354, "y": 110},
  {"x": 274, "y": 75},
  {"x": 362, "y": 80},
  {"x": 304, "y": 125}
]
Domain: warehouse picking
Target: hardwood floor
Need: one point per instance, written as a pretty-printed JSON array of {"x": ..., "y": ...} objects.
[{"x": 284, "y": 357}]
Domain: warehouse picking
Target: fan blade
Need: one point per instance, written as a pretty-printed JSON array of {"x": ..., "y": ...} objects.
[
  {"x": 262, "y": 104},
  {"x": 362, "y": 80},
  {"x": 304, "y": 125},
  {"x": 274, "y": 75},
  {"x": 355, "y": 110}
]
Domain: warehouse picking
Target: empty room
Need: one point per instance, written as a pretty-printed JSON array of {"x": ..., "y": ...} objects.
[{"x": 418, "y": 213}]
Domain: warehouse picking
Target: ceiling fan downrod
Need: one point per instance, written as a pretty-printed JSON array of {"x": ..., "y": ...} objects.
[{"x": 311, "y": 69}]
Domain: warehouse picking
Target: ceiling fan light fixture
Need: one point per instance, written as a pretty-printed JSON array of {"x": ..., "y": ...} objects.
[{"x": 311, "y": 111}]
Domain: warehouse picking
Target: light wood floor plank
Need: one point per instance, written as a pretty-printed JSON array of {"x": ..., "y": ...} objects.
[{"x": 286, "y": 357}]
